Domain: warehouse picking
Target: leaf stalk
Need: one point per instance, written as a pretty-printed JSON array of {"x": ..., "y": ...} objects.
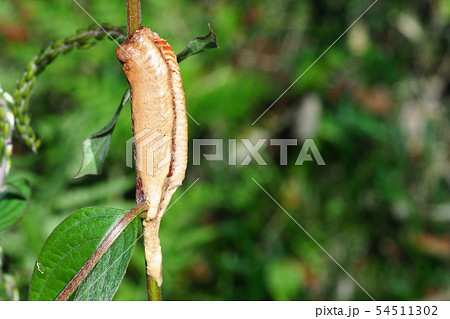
[{"x": 112, "y": 235}]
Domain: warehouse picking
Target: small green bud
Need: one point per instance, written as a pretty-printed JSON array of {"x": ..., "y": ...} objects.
[
  {"x": 20, "y": 117},
  {"x": 32, "y": 64},
  {"x": 53, "y": 55},
  {"x": 21, "y": 81},
  {"x": 107, "y": 26},
  {"x": 71, "y": 39},
  {"x": 58, "y": 44},
  {"x": 37, "y": 143},
  {"x": 18, "y": 100},
  {"x": 29, "y": 75},
  {"x": 100, "y": 35},
  {"x": 26, "y": 92},
  {"x": 92, "y": 27},
  {"x": 122, "y": 30},
  {"x": 20, "y": 129},
  {"x": 86, "y": 37},
  {"x": 86, "y": 45},
  {"x": 67, "y": 49}
]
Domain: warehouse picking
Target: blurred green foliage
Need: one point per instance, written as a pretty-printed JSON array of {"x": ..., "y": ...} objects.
[{"x": 376, "y": 106}]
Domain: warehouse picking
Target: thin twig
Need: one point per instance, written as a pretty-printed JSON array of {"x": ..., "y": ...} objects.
[
  {"x": 133, "y": 16},
  {"x": 134, "y": 24},
  {"x": 153, "y": 290}
]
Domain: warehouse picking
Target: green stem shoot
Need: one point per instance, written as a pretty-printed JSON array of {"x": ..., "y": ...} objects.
[{"x": 133, "y": 16}]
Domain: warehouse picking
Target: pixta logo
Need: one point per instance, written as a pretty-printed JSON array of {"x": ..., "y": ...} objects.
[
  {"x": 238, "y": 155},
  {"x": 157, "y": 150},
  {"x": 155, "y": 146}
]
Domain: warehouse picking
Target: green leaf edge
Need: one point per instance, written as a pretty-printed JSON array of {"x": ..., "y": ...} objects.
[
  {"x": 211, "y": 44},
  {"x": 108, "y": 129},
  {"x": 57, "y": 232},
  {"x": 127, "y": 253},
  {"x": 10, "y": 187}
]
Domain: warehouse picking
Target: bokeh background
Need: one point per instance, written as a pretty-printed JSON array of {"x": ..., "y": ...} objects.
[{"x": 376, "y": 106}]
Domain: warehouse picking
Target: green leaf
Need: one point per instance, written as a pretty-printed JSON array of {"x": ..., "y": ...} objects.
[
  {"x": 199, "y": 44},
  {"x": 13, "y": 203},
  {"x": 71, "y": 245},
  {"x": 103, "y": 281},
  {"x": 96, "y": 146}
]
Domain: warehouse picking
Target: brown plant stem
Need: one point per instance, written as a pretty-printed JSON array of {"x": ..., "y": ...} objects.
[
  {"x": 133, "y": 24},
  {"x": 133, "y": 16}
]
